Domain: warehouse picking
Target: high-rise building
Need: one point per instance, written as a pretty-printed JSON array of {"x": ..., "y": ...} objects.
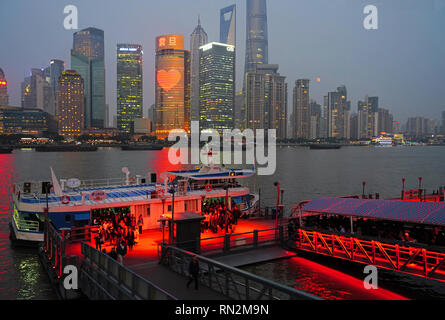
[
  {"x": 256, "y": 35},
  {"x": 129, "y": 86},
  {"x": 71, "y": 104},
  {"x": 217, "y": 86},
  {"x": 367, "y": 118},
  {"x": 315, "y": 116},
  {"x": 227, "y": 31},
  {"x": 197, "y": 39},
  {"x": 266, "y": 99},
  {"x": 302, "y": 116},
  {"x": 337, "y": 110},
  {"x": 37, "y": 92},
  {"x": 240, "y": 111},
  {"x": 56, "y": 67},
  {"x": 172, "y": 89},
  {"x": 87, "y": 58},
  {"x": 384, "y": 121},
  {"x": 4, "y": 98},
  {"x": 353, "y": 131}
]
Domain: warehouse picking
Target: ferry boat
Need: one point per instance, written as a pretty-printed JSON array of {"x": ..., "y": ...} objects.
[{"x": 73, "y": 203}]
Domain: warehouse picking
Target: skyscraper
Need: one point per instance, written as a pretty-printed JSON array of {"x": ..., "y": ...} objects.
[
  {"x": 266, "y": 99},
  {"x": 227, "y": 31},
  {"x": 367, "y": 117},
  {"x": 56, "y": 67},
  {"x": 172, "y": 89},
  {"x": 197, "y": 39},
  {"x": 4, "y": 98},
  {"x": 129, "y": 86},
  {"x": 71, "y": 104},
  {"x": 256, "y": 35},
  {"x": 217, "y": 86},
  {"x": 302, "y": 116},
  {"x": 87, "y": 58},
  {"x": 37, "y": 92},
  {"x": 337, "y": 114}
]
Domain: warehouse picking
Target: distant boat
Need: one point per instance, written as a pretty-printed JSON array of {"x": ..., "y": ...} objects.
[
  {"x": 320, "y": 146},
  {"x": 4, "y": 150},
  {"x": 65, "y": 148},
  {"x": 135, "y": 147}
]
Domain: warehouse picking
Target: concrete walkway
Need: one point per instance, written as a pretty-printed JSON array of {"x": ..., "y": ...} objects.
[{"x": 174, "y": 283}]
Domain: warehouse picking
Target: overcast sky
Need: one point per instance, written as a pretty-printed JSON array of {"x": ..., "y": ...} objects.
[{"x": 402, "y": 62}]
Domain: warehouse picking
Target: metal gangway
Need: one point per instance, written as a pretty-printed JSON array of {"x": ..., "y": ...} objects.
[{"x": 231, "y": 282}]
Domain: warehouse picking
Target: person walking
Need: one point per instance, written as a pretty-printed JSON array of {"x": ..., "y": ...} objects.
[
  {"x": 140, "y": 223},
  {"x": 193, "y": 272},
  {"x": 121, "y": 251}
]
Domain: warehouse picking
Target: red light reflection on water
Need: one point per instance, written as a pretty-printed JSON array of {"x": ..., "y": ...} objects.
[
  {"x": 161, "y": 163},
  {"x": 332, "y": 284}
]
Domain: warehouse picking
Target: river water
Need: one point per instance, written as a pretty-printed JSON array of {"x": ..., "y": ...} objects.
[{"x": 302, "y": 173}]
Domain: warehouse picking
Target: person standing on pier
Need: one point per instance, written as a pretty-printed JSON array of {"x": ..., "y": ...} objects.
[
  {"x": 193, "y": 272},
  {"x": 140, "y": 223},
  {"x": 121, "y": 251}
]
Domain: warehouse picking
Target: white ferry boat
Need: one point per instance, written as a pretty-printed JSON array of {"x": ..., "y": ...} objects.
[{"x": 73, "y": 203}]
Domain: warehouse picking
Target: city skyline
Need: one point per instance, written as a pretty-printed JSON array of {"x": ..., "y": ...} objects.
[{"x": 394, "y": 87}]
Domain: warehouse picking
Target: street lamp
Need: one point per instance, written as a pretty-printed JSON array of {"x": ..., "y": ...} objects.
[
  {"x": 403, "y": 188},
  {"x": 363, "y": 189},
  {"x": 226, "y": 187},
  {"x": 172, "y": 227},
  {"x": 277, "y": 184}
]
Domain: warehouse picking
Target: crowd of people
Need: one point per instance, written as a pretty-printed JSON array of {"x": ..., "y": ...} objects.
[
  {"x": 119, "y": 230},
  {"x": 219, "y": 217},
  {"x": 381, "y": 229}
]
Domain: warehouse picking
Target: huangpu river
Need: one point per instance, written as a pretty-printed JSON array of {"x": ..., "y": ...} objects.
[{"x": 303, "y": 174}]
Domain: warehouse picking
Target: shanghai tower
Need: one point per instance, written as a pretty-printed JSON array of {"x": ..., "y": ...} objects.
[{"x": 256, "y": 35}]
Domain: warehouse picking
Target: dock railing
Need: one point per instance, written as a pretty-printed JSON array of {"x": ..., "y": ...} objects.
[
  {"x": 231, "y": 241},
  {"x": 103, "y": 278},
  {"x": 232, "y": 282}
]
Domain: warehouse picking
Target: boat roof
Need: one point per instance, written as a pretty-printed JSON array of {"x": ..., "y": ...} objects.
[
  {"x": 206, "y": 173},
  {"x": 397, "y": 210},
  {"x": 117, "y": 194}
]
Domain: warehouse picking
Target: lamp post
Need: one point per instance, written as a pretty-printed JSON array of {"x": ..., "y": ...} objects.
[
  {"x": 363, "y": 189},
  {"x": 420, "y": 188},
  {"x": 403, "y": 188},
  {"x": 277, "y": 184},
  {"x": 172, "y": 229},
  {"x": 226, "y": 187}
]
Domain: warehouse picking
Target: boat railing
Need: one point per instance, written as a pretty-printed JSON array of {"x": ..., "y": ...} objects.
[{"x": 27, "y": 225}]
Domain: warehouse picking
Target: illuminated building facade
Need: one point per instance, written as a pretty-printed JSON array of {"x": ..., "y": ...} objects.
[
  {"x": 87, "y": 58},
  {"x": 227, "y": 31},
  {"x": 302, "y": 116},
  {"x": 217, "y": 86},
  {"x": 4, "y": 98},
  {"x": 266, "y": 100},
  {"x": 337, "y": 114},
  {"x": 367, "y": 118},
  {"x": 129, "y": 86},
  {"x": 256, "y": 35},
  {"x": 71, "y": 104},
  {"x": 197, "y": 39},
  {"x": 56, "y": 67},
  {"x": 17, "y": 120},
  {"x": 172, "y": 89}
]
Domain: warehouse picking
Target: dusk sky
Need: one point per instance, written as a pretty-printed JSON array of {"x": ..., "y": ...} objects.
[{"x": 403, "y": 62}]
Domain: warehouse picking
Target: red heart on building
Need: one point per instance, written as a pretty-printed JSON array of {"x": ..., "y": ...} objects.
[{"x": 168, "y": 79}]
